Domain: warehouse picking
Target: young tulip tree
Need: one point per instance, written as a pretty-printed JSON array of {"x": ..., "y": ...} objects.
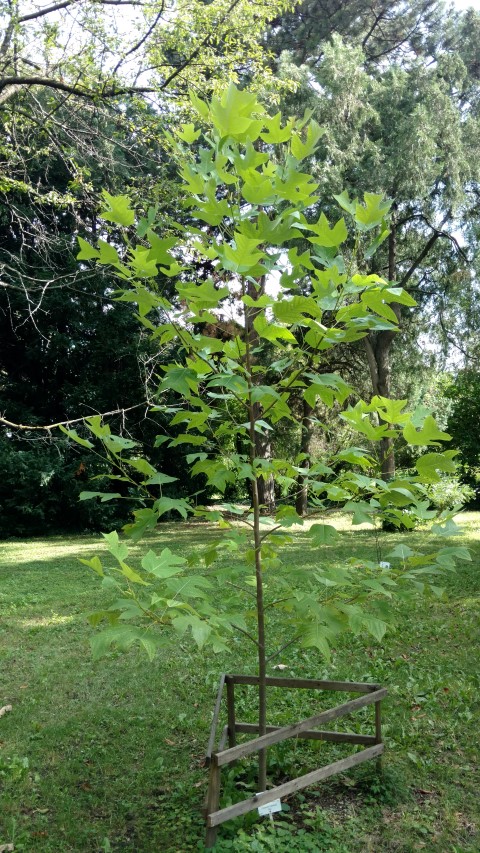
[{"x": 255, "y": 220}]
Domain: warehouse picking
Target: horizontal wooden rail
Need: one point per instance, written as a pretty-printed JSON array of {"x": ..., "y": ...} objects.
[
  {"x": 313, "y": 734},
  {"x": 218, "y": 817},
  {"x": 240, "y": 751},
  {"x": 308, "y": 683}
]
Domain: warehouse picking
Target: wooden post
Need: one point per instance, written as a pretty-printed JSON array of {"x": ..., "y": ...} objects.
[
  {"x": 213, "y": 801},
  {"x": 232, "y": 740},
  {"x": 378, "y": 733},
  {"x": 216, "y": 714}
]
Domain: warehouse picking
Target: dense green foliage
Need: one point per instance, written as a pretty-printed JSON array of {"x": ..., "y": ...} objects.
[
  {"x": 464, "y": 425},
  {"x": 395, "y": 88}
]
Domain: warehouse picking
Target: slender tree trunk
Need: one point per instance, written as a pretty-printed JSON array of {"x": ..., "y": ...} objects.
[
  {"x": 263, "y": 446},
  {"x": 301, "y": 501},
  {"x": 265, "y": 485},
  {"x": 262, "y": 660}
]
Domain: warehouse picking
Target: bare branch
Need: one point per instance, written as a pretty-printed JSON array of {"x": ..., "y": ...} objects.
[
  {"x": 92, "y": 94},
  {"x": 50, "y": 427},
  {"x": 40, "y": 13}
]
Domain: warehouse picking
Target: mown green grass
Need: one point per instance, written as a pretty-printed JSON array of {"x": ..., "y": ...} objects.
[{"x": 115, "y": 747}]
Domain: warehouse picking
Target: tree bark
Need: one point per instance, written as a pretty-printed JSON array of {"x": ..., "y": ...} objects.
[
  {"x": 263, "y": 446},
  {"x": 260, "y": 608},
  {"x": 265, "y": 485},
  {"x": 378, "y": 344},
  {"x": 301, "y": 501}
]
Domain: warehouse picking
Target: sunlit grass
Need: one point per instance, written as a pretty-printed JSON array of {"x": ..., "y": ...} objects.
[{"x": 115, "y": 748}]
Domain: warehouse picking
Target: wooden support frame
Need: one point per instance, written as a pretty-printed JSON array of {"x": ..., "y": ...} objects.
[{"x": 371, "y": 694}]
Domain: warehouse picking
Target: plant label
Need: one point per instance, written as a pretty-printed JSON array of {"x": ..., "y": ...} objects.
[{"x": 270, "y": 808}]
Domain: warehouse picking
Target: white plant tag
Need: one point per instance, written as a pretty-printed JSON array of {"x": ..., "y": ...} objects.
[{"x": 270, "y": 808}]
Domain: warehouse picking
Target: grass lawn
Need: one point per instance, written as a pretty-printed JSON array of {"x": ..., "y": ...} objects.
[{"x": 108, "y": 755}]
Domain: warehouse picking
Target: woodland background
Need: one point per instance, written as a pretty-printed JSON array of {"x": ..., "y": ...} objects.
[{"x": 87, "y": 90}]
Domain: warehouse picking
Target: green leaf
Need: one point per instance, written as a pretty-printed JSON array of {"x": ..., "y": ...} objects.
[
  {"x": 232, "y": 113},
  {"x": 390, "y": 411},
  {"x": 194, "y": 586},
  {"x": 328, "y": 386},
  {"x": 180, "y": 505},
  {"x": 117, "y": 443},
  {"x": 200, "y": 629},
  {"x": 95, "y": 564},
  {"x": 145, "y": 519},
  {"x": 159, "y": 248},
  {"x": 356, "y": 456},
  {"x": 118, "y": 209},
  {"x": 300, "y": 149},
  {"x": 163, "y": 565},
  {"x": 448, "y": 528},
  {"x": 200, "y": 632},
  {"x": 326, "y": 236},
  {"x": 323, "y": 534},
  {"x": 141, "y": 465},
  {"x": 271, "y": 331},
  {"x": 373, "y": 212},
  {"x": 104, "y": 496},
  {"x": 131, "y": 575},
  {"x": 87, "y": 252},
  {"x": 159, "y": 479},
  {"x": 401, "y": 552},
  {"x": 295, "y": 309},
  {"x": 274, "y": 133},
  {"x": 315, "y": 636},
  {"x": 430, "y": 464},
  {"x": 118, "y": 549},
  {"x": 372, "y": 248},
  {"x": 344, "y": 201},
  {"x": 180, "y": 379},
  {"x": 187, "y": 133},
  {"x": 201, "y": 296},
  {"x": 428, "y": 434},
  {"x": 123, "y": 637},
  {"x": 375, "y": 627},
  {"x": 75, "y": 437}
]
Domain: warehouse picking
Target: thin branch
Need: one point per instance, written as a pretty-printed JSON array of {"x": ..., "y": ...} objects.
[
  {"x": 142, "y": 40},
  {"x": 247, "y": 634},
  {"x": 40, "y": 13},
  {"x": 50, "y": 83},
  {"x": 49, "y": 427},
  {"x": 197, "y": 50},
  {"x": 282, "y": 648},
  {"x": 241, "y": 588}
]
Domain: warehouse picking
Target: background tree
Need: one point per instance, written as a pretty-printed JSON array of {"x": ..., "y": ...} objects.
[
  {"x": 411, "y": 120},
  {"x": 83, "y": 102}
]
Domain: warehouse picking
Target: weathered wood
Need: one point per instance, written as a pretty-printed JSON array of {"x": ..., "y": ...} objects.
[
  {"x": 378, "y": 722},
  {"x": 216, "y": 818},
  {"x": 231, "y": 710},
  {"x": 216, "y": 714},
  {"x": 229, "y": 755},
  {"x": 223, "y": 739},
  {"x": 313, "y": 734},
  {"x": 308, "y": 684},
  {"x": 213, "y": 801},
  {"x": 378, "y": 732}
]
